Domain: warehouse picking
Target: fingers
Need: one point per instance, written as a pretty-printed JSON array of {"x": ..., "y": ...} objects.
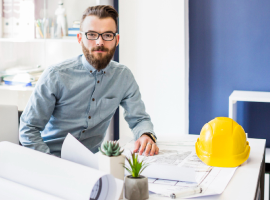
[
  {"x": 148, "y": 148},
  {"x": 142, "y": 147},
  {"x": 157, "y": 150},
  {"x": 145, "y": 145},
  {"x": 136, "y": 146},
  {"x": 153, "y": 150}
]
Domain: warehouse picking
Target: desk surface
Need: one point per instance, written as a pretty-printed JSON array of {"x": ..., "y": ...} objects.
[{"x": 243, "y": 184}]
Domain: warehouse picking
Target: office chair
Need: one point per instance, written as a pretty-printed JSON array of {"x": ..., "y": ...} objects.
[{"x": 9, "y": 128}]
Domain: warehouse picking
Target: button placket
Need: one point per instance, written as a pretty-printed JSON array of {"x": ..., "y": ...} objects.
[{"x": 93, "y": 102}]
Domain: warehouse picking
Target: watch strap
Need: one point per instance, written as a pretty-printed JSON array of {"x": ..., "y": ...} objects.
[{"x": 151, "y": 136}]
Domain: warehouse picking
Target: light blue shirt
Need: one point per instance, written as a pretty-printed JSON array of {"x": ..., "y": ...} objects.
[{"x": 73, "y": 97}]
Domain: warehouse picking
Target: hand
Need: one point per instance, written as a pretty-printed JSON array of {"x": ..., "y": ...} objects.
[{"x": 147, "y": 144}]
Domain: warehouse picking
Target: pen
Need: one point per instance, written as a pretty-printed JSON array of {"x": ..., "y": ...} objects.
[{"x": 187, "y": 192}]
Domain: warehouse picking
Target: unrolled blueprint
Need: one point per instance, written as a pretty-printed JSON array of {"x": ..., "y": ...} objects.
[{"x": 182, "y": 154}]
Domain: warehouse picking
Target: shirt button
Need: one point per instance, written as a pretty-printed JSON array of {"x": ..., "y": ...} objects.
[
  {"x": 93, "y": 99},
  {"x": 104, "y": 72},
  {"x": 83, "y": 131},
  {"x": 89, "y": 117},
  {"x": 97, "y": 81},
  {"x": 90, "y": 71}
]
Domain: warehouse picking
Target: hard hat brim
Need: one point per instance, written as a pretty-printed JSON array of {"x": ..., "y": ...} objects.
[{"x": 220, "y": 161}]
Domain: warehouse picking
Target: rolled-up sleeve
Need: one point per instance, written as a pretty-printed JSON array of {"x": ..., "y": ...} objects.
[
  {"x": 135, "y": 115},
  {"x": 38, "y": 111}
]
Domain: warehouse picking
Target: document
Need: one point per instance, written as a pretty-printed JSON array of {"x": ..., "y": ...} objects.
[
  {"x": 75, "y": 151},
  {"x": 174, "y": 162},
  {"x": 36, "y": 175},
  {"x": 181, "y": 154}
]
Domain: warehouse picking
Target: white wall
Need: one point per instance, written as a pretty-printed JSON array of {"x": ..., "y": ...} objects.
[{"x": 154, "y": 45}]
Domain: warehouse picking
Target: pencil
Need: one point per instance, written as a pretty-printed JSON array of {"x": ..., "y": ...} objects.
[{"x": 38, "y": 26}]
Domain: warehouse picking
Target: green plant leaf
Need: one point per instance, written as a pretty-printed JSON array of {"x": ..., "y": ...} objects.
[
  {"x": 101, "y": 151},
  {"x": 129, "y": 161},
  {"x": 143, "y": 169},
  {"x": 105, "y": 146},
  {"x": 128, "y": 170},
  {"x": 135, "y": 167}
]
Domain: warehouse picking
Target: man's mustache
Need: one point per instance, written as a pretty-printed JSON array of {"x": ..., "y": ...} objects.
[{"x": 99, "y": 48}]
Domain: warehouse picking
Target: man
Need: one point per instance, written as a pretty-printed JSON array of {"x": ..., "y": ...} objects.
[{"x": 80, "y": 95}]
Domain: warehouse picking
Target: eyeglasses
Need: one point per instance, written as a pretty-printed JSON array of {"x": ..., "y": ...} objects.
[{"x": 107, "y": 36}]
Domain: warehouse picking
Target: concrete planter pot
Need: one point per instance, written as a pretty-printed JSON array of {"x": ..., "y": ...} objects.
[
  {"x": 136, "y": 188},
  {"x": 112, "y": 165}
]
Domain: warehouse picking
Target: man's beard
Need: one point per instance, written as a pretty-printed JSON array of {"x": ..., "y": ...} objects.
[{"x": 99, "y": 62}]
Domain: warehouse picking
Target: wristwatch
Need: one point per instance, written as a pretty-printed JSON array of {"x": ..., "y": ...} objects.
[{"x": 151, "y": 136}]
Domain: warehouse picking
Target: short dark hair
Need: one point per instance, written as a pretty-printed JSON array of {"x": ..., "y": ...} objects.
[{"x": 101, "y": 11}]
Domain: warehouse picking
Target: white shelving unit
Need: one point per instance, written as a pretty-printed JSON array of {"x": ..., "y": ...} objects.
[
  {"x": 15, "y": 95},
  {"x": 250, "y": 96},
  {"x": 64, "y": 39},
  {"x": 22, "y": 51}
]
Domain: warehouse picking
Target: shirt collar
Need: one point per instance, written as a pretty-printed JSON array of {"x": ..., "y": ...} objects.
[{"x": 91, "y": 69}]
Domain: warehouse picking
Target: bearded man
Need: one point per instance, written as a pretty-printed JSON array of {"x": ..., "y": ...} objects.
[{"x": 80, "y": 95}]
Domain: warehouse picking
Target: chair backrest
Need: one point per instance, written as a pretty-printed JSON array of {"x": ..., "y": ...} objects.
[{"x": 9, "y": 128}]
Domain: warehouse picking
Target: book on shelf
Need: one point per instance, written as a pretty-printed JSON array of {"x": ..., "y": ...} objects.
[
  {"x": 76, "y": 24},
  {"x": 10, "y": 18},
  {"x": 73, "y": 31}
]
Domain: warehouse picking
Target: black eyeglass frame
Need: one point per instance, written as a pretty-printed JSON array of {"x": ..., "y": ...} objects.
[{"x": 99, "y": 34}]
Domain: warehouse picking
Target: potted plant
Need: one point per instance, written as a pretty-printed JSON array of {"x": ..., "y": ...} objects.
[
  {"x": 111, "y": 159},
  {"x": 135, "y": 185}
]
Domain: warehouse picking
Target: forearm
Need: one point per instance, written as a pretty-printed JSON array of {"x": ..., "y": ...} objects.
[
  {"x": 135, "y": 115},
  {"x": 142, "y": 127},
  {"x": 38, "y": 112},
  {"x": 30, "y": 137}
]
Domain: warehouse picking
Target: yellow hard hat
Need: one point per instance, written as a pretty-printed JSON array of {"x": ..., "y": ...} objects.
[{"x": 222, "y": 143}]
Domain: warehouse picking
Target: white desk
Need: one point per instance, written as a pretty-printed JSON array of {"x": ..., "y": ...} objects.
[
  {"x": 251, "y": 96},
  {"x": 248, "y": 180}
]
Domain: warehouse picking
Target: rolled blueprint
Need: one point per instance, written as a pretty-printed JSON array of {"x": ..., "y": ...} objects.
[{"x": 45, "y": 175}]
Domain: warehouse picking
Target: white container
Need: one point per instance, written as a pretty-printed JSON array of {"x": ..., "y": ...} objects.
[{"x": 112, "y": 165}]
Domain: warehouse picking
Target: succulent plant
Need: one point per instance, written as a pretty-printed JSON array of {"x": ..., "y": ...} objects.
[
  {"x": 135, "y": 167},
  {"x": 110, "y": 148}
]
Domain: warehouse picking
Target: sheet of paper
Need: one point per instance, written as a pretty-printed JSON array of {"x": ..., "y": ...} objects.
[
  {"x": 170, "y": 172},
  {"x": 12, "y": 190},
  {"x": 75, "y": 151},
  {"x": 52, "y": 175},
  {"x": 216, "y": 181},
  {"x": 171, "y": 163},
  {"x": 182, "y": 154}
]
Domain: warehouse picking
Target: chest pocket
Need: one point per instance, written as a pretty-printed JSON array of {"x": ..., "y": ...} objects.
[{"x": 108, "y": 107}]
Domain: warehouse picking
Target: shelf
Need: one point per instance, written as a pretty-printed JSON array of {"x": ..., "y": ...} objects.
[
  {"x": 252, "y": 96},
  {"x": 15, "y": 87},
  {"x": 65, "y": 39},
  {"x": 267, "y": 155}
]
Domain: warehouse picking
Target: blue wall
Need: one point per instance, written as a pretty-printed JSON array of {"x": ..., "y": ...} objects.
[{"x": 229, "y": 50}]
